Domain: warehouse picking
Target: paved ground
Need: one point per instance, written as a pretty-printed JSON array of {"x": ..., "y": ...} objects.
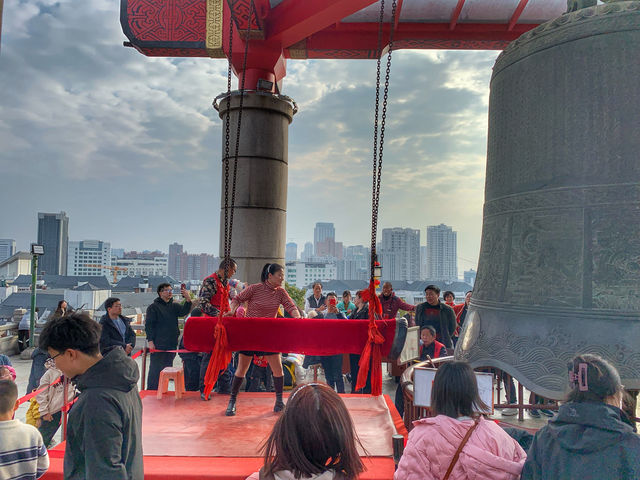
[{"x": 23, "y": 368}]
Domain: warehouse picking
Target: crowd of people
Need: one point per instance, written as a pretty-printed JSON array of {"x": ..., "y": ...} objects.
[{"x": 314, "y": 436}]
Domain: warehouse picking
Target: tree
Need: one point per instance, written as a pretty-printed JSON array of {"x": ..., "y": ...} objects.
[{"x": 296, "y": 294}]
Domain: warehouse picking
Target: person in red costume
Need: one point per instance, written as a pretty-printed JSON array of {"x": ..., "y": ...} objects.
[
  {"x": 391, "y": 304},
  {"x": 263, "y": 300},
  {"x": 209, "y": 302}
]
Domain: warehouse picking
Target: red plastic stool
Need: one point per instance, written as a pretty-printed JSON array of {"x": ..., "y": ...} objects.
[{"x": 171, "y": 373}]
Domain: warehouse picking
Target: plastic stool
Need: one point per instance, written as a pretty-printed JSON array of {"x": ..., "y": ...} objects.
[{"x": 171, "y": 373}]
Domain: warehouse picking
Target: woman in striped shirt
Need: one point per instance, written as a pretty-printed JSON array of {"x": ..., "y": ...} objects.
[{"x": 263, "y": 301}]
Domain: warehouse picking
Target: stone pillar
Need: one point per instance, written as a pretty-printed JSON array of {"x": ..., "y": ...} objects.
[
  {"x": 559, "y": 269},
  {"x": 260, "y": 216}
]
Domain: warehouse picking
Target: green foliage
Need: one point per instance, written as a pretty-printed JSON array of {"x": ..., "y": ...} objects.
[{"x": 296, "y": 294}]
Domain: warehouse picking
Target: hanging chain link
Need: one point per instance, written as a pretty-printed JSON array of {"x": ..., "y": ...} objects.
[
  {"x": 229, "y": 209},
  {"x": 378, "y": 150}
]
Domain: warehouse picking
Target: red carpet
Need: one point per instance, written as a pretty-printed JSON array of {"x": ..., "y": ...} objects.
[{"x": 193, "y": 439}]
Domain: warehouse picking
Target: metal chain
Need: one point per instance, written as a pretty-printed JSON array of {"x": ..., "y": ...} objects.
[
  {"x": 228, "y": 212},
  {"x": 378, "y": 151}
]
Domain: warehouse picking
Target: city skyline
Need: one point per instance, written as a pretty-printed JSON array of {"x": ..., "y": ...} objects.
[
  {"x": 129, "y": 146},
  {"x": 300, "y": 254}
]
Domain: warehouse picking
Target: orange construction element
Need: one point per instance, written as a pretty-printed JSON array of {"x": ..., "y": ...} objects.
[{"x": 171, "y": 373}]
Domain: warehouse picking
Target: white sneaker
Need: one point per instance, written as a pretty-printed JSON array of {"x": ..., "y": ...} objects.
[{"x": 509, "y": 412}]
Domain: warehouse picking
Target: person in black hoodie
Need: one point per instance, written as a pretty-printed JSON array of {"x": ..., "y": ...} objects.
[
  {"x": 116, "y": 328},
  {"x": 161, "y": 325},
  {"x": 590, "y": 438},
  {"x": 104, "y": 432}
]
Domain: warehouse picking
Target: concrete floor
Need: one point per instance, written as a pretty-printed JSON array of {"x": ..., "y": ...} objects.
[{"x": 23, "y": 368}]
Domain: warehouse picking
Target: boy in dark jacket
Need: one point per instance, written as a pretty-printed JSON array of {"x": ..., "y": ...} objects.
[
  {"x": 104, "y": 432},
  {"x": 161, "y": 325}
]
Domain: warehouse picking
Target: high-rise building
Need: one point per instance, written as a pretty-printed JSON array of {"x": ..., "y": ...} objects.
[
  {"x": 291, "y": 252},
  {"x": 470, "y": 276},
  {"x": 424, "y": 275},
  {"x": 324, "y": 238},
  {"x": 85, "y": 256},
  {"x": 442, "y": 253},
  {"x": 307, "y": 253},
  {"x": 117, "y": 252},
  {"x": 175, "y": 251},
  {"x": 53, "y": 234},
  {"x": 7, "y": 248},
  {"x": 399, "y": 254}
]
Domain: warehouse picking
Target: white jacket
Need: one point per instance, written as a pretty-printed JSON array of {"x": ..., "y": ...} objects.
[{"x": 52, "y": 399}]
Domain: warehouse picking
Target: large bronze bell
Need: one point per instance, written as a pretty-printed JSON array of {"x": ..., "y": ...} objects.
[{"x": 559, "y": 269}]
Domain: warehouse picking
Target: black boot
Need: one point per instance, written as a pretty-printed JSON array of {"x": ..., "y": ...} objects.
[
  {"x": 278, "y": 385},
  {"x": 235, "y": 388}
]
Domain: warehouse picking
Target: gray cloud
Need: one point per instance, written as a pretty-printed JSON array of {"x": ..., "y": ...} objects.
[{"x": 130, "y": 146}]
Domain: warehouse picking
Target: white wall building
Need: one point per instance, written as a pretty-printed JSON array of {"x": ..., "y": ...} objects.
[
  {"x": 302, "y": 274},
  {"x": 84, "y": 256},
  {"x": 18, "y": 264},
  {"x": 86, "y": 297},
  {"x": 140, "y": 267},
  {"x": 442, "y": 253},
  {"x": 399, "y": 254}
]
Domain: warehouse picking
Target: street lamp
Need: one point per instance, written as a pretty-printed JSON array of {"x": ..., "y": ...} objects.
[{"x": 36, "y": 251}]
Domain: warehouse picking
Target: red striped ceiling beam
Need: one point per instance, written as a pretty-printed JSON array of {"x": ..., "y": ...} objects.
[
  {"x": 516, "y": 14},
  {"x": 295, "y": 20},
  {"x": 456, "y": 14}
]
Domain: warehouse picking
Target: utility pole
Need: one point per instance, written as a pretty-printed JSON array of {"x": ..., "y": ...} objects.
[{"x": 36, "y": 251}]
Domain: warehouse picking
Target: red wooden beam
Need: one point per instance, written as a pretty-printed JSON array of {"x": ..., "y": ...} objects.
[
  {"x": 295, "y": 20},
  {"x": 516, "y": 14},
  {"x": 456, "y": 14},
  {"x": 363, "y": 36}
]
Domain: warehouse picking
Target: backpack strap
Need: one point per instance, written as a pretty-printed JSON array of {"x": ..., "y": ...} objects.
[{"x": 454, "y": 460}]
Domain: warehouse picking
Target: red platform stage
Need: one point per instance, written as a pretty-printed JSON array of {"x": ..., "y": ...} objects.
[{"x": 193, "y": 439}]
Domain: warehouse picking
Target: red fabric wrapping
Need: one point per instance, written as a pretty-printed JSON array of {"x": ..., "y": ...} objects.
[
  {"x": 310, "y": 336},
  {"x": 371, "y": 356},
  {"x": 221, "y": 355}
]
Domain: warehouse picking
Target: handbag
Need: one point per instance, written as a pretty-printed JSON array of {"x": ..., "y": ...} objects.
[{"x": 454, "y": 460}]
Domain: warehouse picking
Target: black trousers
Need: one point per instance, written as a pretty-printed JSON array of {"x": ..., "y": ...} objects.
[
  {"x": 191, "y": 363},
  {"x": 159, "y": 361},
  {"x": 49, "y": 429},
  {"x": 332, "y": 366},
  {"x": 23, "y": 339},
  {"x": 354, "y": 358}
]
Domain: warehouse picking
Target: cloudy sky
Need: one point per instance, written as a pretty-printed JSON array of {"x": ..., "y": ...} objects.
[{"x": 130, "y": 146}]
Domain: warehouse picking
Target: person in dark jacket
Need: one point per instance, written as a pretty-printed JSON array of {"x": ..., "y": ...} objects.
[
  {"x": 361, "y": 313},
  {"x": 38, "y": 359},
  {"x": 104, "y": 431},
  {"x": 161, "y": 326},
  {"x": 588, "y": 439},
  {"x": 116, "y": 328},
  {"x": 437, "y": 314}
]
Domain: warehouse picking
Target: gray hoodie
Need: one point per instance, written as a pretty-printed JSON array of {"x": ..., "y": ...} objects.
[{"x": 587, "y": 441}]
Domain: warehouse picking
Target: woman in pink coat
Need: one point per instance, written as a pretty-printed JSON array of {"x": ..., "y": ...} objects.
[{"x": 489, "y": 452}]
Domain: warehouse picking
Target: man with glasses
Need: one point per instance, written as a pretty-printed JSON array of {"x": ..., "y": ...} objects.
[
  {"x": 161, "y": 326},
  {"x": 104, "y": 432}
]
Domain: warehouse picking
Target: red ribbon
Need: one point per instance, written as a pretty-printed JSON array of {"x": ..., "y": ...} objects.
[
  {"x": 221, "y": 355},
  {"x": 372, "y": 353},
  {"x": 29, "y": 396}
]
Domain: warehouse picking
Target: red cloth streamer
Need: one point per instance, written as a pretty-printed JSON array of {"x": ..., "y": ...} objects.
[
  {"x": 221, "y": 355},
  {"x": 28, "y": 397},
  {"x": 372, "y": 352}
]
